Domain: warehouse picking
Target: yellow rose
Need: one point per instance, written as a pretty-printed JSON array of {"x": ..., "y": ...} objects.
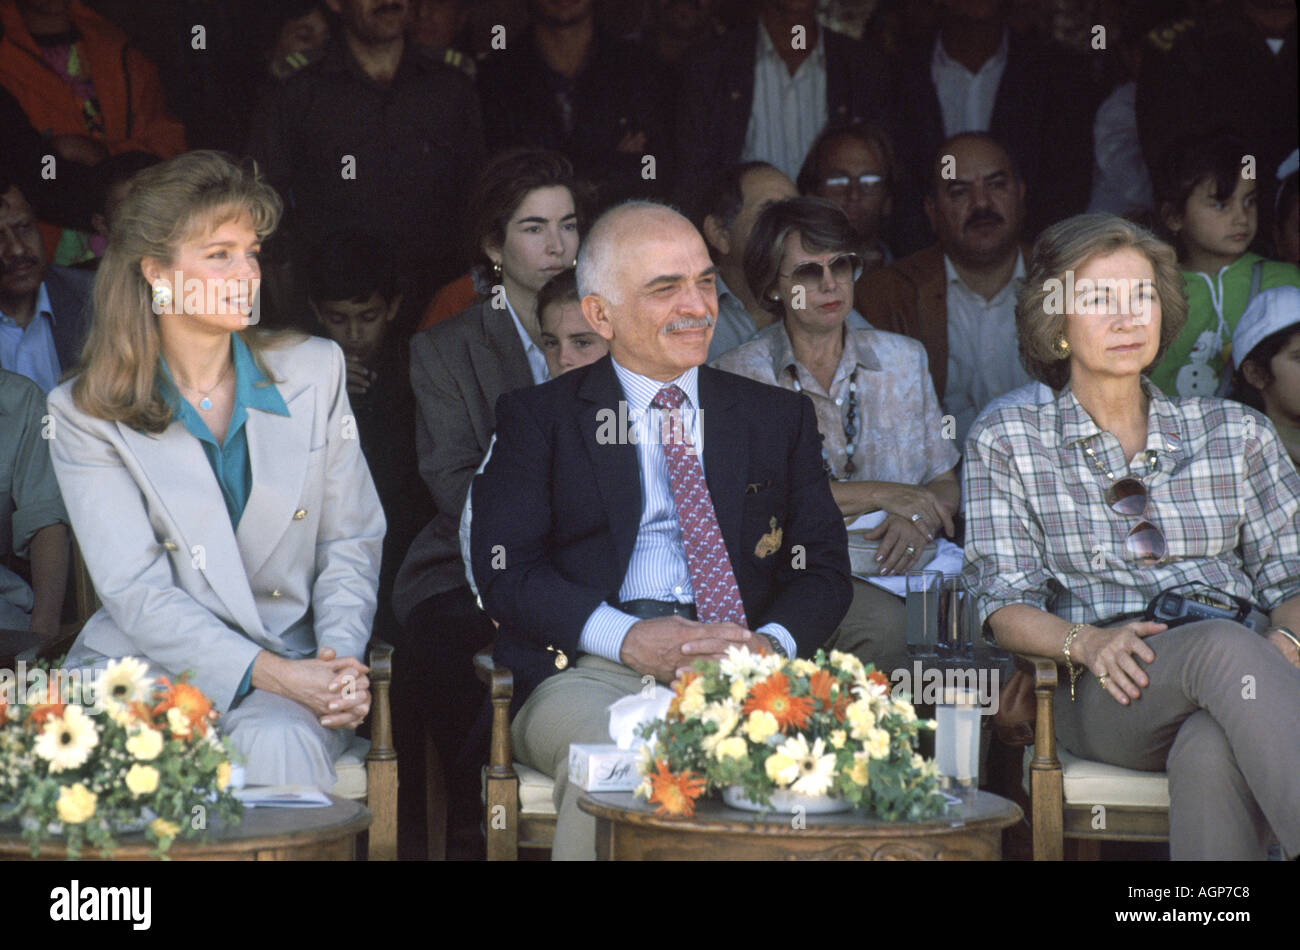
[
  {"x": 878, "y": 744},
  {"x": 178, "y": 723},
  {"x": 739, "y": 690},
  {"x": 803, "y": 667},
  {"x": 164, "y": 828},
  {"x": 145, "y": 745},
  {"x": 732, "y": 748},
  {"x": 142, "y": 779},
  {"x": 76, "y": 804},
  {"x": 223, "y": 776},
  {"x": 861, "y": 719},
  {"x": 859, "y": 774},
  {"x": 781, "y": 769},
  {"x": 838, "y": 738},
  {"x": 760, "y": 725},
  {"x": 693, "y": 701}
]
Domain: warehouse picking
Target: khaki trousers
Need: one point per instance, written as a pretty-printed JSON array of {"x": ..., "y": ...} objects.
[
  {"x": 570, "y": 707},
  {"x": 1219, "y": 716},
  {"x": 874, "y": 630}
]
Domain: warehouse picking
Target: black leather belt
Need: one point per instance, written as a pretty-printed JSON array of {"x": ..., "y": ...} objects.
[{"x": 650, "y": 609}]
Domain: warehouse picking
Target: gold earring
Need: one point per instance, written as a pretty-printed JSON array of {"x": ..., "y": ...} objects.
[
  {"x": 1062, "y": 347},
  {"x": 496, "y": 271}
]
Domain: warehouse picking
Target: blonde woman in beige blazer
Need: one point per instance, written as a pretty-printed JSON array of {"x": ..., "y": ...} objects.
[{"x": 214, "y": 479}]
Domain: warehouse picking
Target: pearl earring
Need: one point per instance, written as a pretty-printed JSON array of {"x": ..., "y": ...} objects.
[{"x": 162, "y": 298}]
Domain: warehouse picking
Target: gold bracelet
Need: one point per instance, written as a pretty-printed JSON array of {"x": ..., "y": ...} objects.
[
  {"x": 1286, "y": 632},
  {"x": 1069, "y": 664}
]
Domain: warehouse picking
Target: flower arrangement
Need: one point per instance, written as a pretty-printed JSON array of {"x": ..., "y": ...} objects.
[
  {"x": 142, "y": 752},
  {"x": 762, "y": 723}
]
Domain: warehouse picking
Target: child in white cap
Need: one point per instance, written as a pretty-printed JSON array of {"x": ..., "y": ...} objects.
[{"x": 1266, "y": 354}]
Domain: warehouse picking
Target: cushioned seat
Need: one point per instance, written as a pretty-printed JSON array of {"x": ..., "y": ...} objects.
[
  {"x": 536, "y": 792},
  {"x": 1097, "y": 783},
  {"x": 350, "y": 767}
]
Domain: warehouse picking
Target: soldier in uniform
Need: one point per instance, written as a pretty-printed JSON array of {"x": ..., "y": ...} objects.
[{"x": 377, "y": 133}]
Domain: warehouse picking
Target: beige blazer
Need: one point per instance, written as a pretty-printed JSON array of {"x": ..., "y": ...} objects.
[{"x": 183, "y": 589}]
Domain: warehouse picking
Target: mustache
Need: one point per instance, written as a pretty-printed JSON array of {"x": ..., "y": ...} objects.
[
  {"x": 981, "y": 216},
  {"x": 9, "y": 263},
  {"x": 690, "y": 323}
]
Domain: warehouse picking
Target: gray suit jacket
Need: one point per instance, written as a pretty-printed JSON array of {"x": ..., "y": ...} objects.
[
  {"x": 183, "y": 589},
  {"x": 458, "y": 369}
]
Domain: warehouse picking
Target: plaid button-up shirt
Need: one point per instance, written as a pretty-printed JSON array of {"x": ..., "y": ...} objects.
[{"x": 1040, "y": 532}]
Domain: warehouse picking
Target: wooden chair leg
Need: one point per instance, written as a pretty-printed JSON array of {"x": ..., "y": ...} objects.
[
  {"x": 435, "y": 800},
  {"x": 1046, "y": 788},
  {"x": 501, "y": 807},
  {"x": 381, "y": 761}
]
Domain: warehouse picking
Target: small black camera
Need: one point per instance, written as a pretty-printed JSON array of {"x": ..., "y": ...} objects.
[{"x": 1176, "y": 609}]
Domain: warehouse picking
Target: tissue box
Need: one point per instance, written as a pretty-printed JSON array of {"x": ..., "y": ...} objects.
[{"x": 597, "y": 767}]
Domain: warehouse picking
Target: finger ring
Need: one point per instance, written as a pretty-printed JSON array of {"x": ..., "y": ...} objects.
[
  {"x": 1102, "y": 679},
  {"x": 916, "y": 517},
  {"x": 910, "y": 550}
]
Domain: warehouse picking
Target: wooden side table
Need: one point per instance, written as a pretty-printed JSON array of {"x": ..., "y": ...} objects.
[
  {"x": 627, "y": 829},
  {"x": 264, "y": 834}
]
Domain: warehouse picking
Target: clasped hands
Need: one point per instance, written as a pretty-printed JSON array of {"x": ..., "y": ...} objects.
[
  {"x": 665, "y": 647},
  {"x": 901, "y": 530},
  {"x": 335, "y": 688}
]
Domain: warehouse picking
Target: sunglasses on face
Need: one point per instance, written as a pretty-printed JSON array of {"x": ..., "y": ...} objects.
[
  {"x": 1145, "y": 541},
  {"x": 867, "y": 184},
  {"x": 842, "y": 267}
]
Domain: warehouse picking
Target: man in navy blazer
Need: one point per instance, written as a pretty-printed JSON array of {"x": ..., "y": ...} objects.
[
  {"x": 716, "y": 92},
  {"x": 576, "y": 543}
]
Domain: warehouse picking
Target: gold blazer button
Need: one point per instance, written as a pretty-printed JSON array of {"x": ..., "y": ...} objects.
[
  {"x": 276, "y": 592},
  {"x": 561, "y": 661},
  {"x": 300, "y": 514},
  {"x": 170, "y": 545}
]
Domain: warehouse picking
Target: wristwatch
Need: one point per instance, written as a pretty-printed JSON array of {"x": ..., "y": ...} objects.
[{"x": 776, "y": 645}]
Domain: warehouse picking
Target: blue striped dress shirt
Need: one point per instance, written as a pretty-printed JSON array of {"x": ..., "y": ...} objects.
[{"x": 658, "y": 569}]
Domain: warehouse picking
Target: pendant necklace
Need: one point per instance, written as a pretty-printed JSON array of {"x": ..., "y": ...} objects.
[{"x": 204, "y": 402}]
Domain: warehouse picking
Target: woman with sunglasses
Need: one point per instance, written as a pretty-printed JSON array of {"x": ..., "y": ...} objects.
[
  {"x": 882, "y": 431},
  {"x": 1081, "y": 510}
]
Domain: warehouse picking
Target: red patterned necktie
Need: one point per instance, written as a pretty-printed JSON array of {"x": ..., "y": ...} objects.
[{"x": 717, "y": 599}]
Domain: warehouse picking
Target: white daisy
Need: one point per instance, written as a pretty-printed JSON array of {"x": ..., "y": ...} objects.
[
  {"x": 120, "y": 683},
  {"x": 67, "y": 741},
  {"x": 813, "y": 769}
]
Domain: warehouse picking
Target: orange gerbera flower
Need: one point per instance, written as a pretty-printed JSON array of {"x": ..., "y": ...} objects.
[
  {"x": 875, "y": 676},
  {"x": 821, "y": 683},
  {"x": 189, "y": 699},
  {"x": 675, "y": 794},
  {"x": 773, "y": 695},
  {"x": 52, "y": 708}
]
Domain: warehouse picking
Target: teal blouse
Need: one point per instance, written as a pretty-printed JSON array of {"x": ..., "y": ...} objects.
[{"x": 229, "y": 459}]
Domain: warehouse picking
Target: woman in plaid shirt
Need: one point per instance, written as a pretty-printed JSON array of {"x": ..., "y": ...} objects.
[{"x": 1082, "y": 509}]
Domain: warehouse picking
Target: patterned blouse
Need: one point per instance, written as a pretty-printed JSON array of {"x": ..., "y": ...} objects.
[
  {"x": 1040, "y": 532},
  {"x": 901, "y": 432}
]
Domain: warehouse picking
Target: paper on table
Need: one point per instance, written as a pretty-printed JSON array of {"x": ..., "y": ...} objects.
[
  {"x": 626, "y": 714},
  {"x": 947, "y": 558},
  {"x": 282, "y": 796}
]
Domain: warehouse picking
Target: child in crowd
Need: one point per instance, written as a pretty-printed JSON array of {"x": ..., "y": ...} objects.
[
  {"x": 1206, "y": 190},
  {"x": 351, "y": 287},
  {"x": 1266, "y": 352},
  {"x": 568, "y": 341}
]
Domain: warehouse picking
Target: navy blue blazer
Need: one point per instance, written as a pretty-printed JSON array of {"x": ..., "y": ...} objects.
[{"x": 556, "y": 513}]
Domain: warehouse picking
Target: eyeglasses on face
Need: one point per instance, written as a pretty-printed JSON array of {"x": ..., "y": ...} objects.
[
  {"x": 843, "y": 267},
  {"x": 867, "y": 183}
]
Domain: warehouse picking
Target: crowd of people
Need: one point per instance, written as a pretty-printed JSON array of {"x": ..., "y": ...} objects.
[{"x": 309, "y": 313}]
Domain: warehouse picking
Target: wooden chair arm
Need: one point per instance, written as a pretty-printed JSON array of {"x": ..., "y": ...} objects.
[
  {"x": 501, "y": 690},
  {"x": 1046, "y": 789},
  {"x": 381, "y": 711}
]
